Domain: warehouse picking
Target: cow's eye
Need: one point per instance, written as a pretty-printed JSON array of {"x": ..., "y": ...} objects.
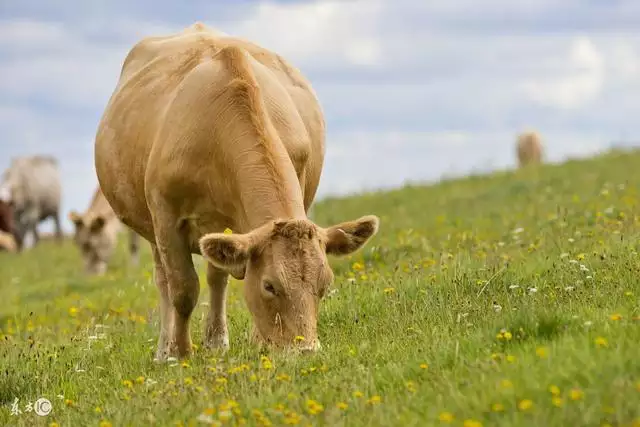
[{"x": 269, "y": 288}]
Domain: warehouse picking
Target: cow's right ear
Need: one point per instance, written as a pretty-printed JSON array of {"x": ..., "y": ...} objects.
[
  {"x": 228, "y": 252},
  {"x": 75, "y": 218}
]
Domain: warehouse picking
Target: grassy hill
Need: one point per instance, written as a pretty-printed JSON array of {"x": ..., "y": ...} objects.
[{"x": 506, "y": 300}]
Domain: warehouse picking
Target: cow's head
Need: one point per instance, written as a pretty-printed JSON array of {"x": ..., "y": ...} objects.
[
  {"x": 96, "y": 239},
  {"x": 286, "y": 272}
]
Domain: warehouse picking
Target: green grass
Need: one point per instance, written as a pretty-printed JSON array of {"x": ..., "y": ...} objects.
[{"x": 411, "y": 334}]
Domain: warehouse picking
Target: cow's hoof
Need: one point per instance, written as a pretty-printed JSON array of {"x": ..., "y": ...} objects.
[{"x": 217, "y": 342}]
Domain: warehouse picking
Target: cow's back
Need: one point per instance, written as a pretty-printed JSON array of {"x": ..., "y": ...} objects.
[{"x": 152, "y": 74}]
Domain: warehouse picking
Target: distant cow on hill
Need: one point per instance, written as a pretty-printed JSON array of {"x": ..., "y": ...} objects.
[
  {"x": 529, "y": 148},
  {"x": 32, "y": 185},
  {"x": 96, "y": 234}
]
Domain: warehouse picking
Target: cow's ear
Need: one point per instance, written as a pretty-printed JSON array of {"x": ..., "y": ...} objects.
[
  {"x": 348, "y": 237},
  {"x": 75, "y": 218},
  {"x": 228, "y": 252}
]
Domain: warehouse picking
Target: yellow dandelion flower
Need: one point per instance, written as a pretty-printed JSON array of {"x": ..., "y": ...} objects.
[
  {"x": 472, "y": 423},
  {"x": 298, "y": 338},
  {"x": 389, "y": 290},
  {"x": 73, "y": 311},
  {"x": 292, "y": 418},
  {"x": 511, "y": 358},
  {"x": 357, "y": 266},
  {"x": 554, "y": 389},
  {"x": 221, "y": 380},
  {"x": 98, "y": 410},
  {"x": 557, "y": 401},
  {"x": 140, "y": 379},
  {"x": 424, "y": 366},
  {"x": 446, "y": 417},
  {"x": 525, "y": 404},
  {"x": 127, "y": 383},
  {"x": 185, "y": 364},
  {"x": 542, "y": 352},
  {"x": 601, "y": 342},
  {"x": 374, "y": 400},
  {"x": 266, "y": 363},
  {"x": 54, "y": 424},
  {"x": 342, "y": 406},
  {"x": 357, "y": 394},
  {"x": 227, "y": 231},
  {"x": 283, "y": 377},
  {"x": 314, "y": 407},
  {"x": 411, "y": 386},
  {"x": 188, "y": 381},
  {"x": 497, "y": 407},
  {"x": 105, "y": 423},
  {"x": 580, "y": 257},
  {"x": 615, "y": 316},
  {"x": 69, "y": 402},
  {"x": 209, "y": 411},
  {"x": 508, "y": 336},
  {"x": 576, "y": 394}
]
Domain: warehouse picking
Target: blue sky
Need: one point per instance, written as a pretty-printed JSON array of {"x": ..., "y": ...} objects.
[{"x": 412, "y": 90}]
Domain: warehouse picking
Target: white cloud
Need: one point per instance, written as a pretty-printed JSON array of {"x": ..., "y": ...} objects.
[
  {"x": 579, "y": 78},
  {"x": 317, "y": 32}
]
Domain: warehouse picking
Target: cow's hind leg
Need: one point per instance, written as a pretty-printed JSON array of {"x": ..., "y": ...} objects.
[
  {"x": 166, "y": 309},
  {"x": 216, "y": 333},
  {"x": 184, "y": 287},
  {"x": 58, "y": 227},
  {"x": 134, "y": 247}
]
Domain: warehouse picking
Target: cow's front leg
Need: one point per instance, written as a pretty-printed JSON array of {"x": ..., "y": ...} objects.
[
  {"x": 216, "y": 333},
  {"x": 181, "y": 275}
]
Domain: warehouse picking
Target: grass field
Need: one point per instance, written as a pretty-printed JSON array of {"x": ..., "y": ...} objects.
[{"x": 506, "y": 300}]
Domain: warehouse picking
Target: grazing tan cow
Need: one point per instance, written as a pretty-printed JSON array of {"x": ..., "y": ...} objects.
[
  {"x": 529, "y": 148},
  {"x": 205, "y": 132},
  {"x": 96, "y": 235}
]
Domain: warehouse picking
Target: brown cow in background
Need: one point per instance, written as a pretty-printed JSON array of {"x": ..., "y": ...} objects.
[
  {"x": 7, "y": 242},
  {"x": 96, "y": 235}
]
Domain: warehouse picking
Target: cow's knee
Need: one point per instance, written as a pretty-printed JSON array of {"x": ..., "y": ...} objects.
[{"x": 184, "y": 299}]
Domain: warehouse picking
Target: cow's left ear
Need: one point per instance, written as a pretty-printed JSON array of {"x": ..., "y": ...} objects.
[
  {"x": 75, "y": 218},
  {"x": 348, "y": 237}
]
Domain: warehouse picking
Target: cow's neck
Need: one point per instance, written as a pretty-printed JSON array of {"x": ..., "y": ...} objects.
[{"x": 268, "y": 190}]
